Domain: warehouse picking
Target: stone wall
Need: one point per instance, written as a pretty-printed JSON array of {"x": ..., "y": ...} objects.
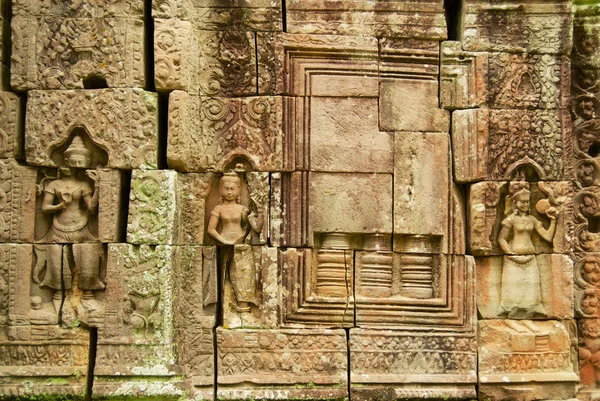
[{"x": 300, "y": 199}]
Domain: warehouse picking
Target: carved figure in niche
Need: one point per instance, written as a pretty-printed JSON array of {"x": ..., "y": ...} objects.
[
  {"x": 521, "y": 291},
  {"x": 231, "y": 224},
  {"x": 70, "y": 201},
  {"x": 589, "y": 351}
]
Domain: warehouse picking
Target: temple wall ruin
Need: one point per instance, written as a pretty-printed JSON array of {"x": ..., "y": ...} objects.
[{"x": 300, "y": 199}]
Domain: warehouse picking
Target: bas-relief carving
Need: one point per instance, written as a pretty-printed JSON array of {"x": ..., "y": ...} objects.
[
  {"x": 214, "y": 15},
  {"x": 68, "y": 205},
  {"x": 377, "y": 19},
  {"x": 123, "y": 122},
  {"x": 516, "y": 26},
  {"x": 209, "y": 134},
  {"x": 67, "y": 52}
]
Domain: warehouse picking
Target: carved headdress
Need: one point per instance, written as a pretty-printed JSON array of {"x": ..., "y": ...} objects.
[{"x": 78, "y": 148}]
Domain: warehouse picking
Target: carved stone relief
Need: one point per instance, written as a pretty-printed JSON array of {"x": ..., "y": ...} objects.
[{"x": 300, "y": 200}]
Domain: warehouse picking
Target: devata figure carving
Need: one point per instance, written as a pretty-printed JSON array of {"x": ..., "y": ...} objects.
[
  {"x": 521, "y": 292},
  {"x": 230, "y": 224},
  {"x": 70, "y": 200}
]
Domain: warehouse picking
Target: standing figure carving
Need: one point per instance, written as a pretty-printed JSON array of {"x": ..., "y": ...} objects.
[
  {"x": 70, "y": 201},
  {"x": 521, "y": 296},
  {"x": 231, "y": 224}
]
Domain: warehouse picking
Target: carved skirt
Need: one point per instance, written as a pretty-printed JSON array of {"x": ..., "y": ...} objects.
[{"x": 521, "y": 295}]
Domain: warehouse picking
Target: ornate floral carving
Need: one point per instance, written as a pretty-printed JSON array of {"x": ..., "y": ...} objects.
[
  {"x": 67, "y": 51},
  {"x": 527, "y": 81},
  {"x": 520, "y": 138},
  {"x": 123, "y": 122},
  {"x": 209, "y": 133}
]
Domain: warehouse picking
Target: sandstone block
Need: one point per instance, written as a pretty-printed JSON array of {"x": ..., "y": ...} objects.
[
  {"x": 121, "y": 123},
  {"x": 55, "y": 52},
  {"x": 195, "y": 313},
  {"x": 422, "y": 185},
  {"x": 318, "y": 361},
  {"x": 350, "y": 203},
  {"x": 411, "y": 105},
  {"x": 10, "y": 121},
  {"x": 533, "y": 81},
  {"x": 216, "y": 133},
  {"x": 514, "y": 26},
  {"x": 491, "y": 202},
  {"x": 510, "y": 144},
  {"x": 525, "y": 360},
  {"x": 39, "y": 357},
  {"x": 345, "y": 136},
  {"x": 252, "y": 278},
  {"x": 251, "y": 15},
  {"x": 111, "y": 216},
  {"x": 415, "y": 291},
  {"x": 167, "y": 207},
  {"x": 205, "y": 63},
  {"x": 587, "y": 286},
  {"x": 588, "y": 350},
  {"x": 325, "y": 297},
  {"x": 137, "y": 340},
  {"x": 403, "y": 365},
  {"x": 395, "y": 19},
  {"x": 546, "y": 281},
  {"x": 18, "y": 189},
  {"x": 79, "y": 9},
  {"x": 470, "y": 144},
  {"x": 463, "y": 77},
  {"x": 344, "y": 65}
]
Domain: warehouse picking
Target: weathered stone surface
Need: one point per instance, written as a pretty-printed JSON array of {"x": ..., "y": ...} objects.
[
  {"x": 345, "y": 137},
  {"x": 39, "y": 357},
  {"x": 411, "y": 105},
  {"x": 490, "y": 203},
  {"x": 137, "y": 340},
  {"x": 403, "y": 365},
  {"x": 525, "y": 360},
  {"x": 427, "y": 290},
  {"x": 589, "y": 346},
  {"x": 122, "y": 123},
  {"x": 213, "y": 63},
  {"x": 205, "y": 63},
  {"x": 167, "y": 207},
  {"x": 496, "y": 288},
  {"x": 531, "y": 81},
  {"x": 252, "y": 277},
  {"x": 195, "y": 313},
  {"x": 345, "y": 65},
  {"x": 510, "y": 144},
  {"x": 73, "y": 53},
  {"x": 215, "y": 133},
  {"x": 303, "y": 364},
  {"x": 463, "y": 77},
  {"x": 111, "y": 213},
  {"x": 17, "y": 185},
  {"x": 79, "y": 9},
  {"x": 421, "y": 185},
  {"x": 587, "y": 285},
  {"x": 324, "y": 300},
  {"x": 378, "y": 18},
  {"x": 249, "y": 15},
  {"x": 516, "y": 26},
  {"x": 350, "y": 203},
  {"x": 10, "y": 123}
]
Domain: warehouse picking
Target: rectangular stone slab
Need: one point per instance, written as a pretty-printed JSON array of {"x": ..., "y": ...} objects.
[
  {"x": 379, "y": 18},
  {"x": 422, "y": 179},
  {"x": 412, "y": 365},
  {"x": 319, "y": 363}
]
